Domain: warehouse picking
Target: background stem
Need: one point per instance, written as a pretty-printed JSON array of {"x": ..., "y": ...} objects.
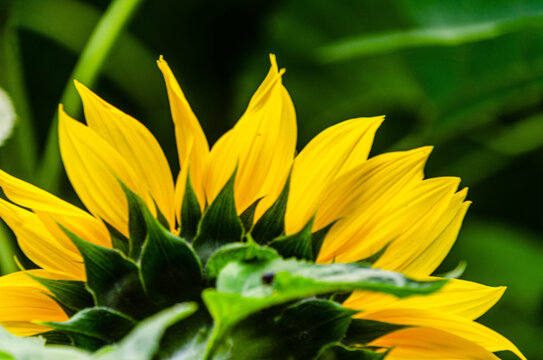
[{"x": 86, "y": 70}]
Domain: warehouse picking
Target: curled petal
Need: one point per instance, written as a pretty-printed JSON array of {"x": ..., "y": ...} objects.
[
  {"x": 94, "y": 168},
  {"x": 333, "y": 152},
  {"x": 458, "y": 297},
  {"x": 53, "y": 210},
  {"x": 49, "y": 252},
  {"x": 135, "y": 143},
  {"x": 458, "y": 326},
  {"x": 261, "y": 145},
  {"x": 362, "y": 199},
  {"x": 431, "y": 344},
  {"x": 22, "y": 301},
  {"x": 192, "y": 146}
]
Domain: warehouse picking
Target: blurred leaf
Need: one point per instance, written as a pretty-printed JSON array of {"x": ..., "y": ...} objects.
[
  {"x": 15, "y": 348},
  {"x": 372, "y": 44},
  {"x": 143, "y": 342}
]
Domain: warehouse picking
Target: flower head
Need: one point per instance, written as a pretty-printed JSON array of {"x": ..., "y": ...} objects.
[{"x": 380, "y": 210}]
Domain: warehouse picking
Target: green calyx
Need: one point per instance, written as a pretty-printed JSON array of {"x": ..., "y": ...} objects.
[{"x": 226, "y": 288}]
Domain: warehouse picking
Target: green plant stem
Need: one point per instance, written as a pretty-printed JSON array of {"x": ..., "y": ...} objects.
[
  {"x": 86, "y": 70},
  {"x": 7, "y": 251}
]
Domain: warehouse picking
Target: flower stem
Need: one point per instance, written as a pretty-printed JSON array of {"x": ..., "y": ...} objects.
[{"x": 86, "y": 70}]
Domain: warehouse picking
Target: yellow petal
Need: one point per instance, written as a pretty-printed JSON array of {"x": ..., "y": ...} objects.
[
  {"x": 363, "y": 198},
  {"x": 192, "y": 144},
  {"x": 333, "y": 152},
  {"x": 261, "y": 145},
  {"x": 427, "y": 259},
  {"x": 53, "y": 210},
  {"x": 421, "y": 247},
  {"x": 94, "y": 167},
  {"x": 50, "y": 253},
  {"x": 467, "y": 329},
  {"x": 22, "y": 301},
  {"x": 135, "y": 143},
  {"x": 458, "y": 297},
  {"x": 426, "y": 344}
]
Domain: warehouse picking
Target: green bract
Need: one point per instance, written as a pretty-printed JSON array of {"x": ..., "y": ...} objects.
[{"x": 220, "y": 291}]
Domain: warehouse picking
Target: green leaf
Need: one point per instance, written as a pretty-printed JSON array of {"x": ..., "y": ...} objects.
[
  {"x": 190, "y": 212},
  {"x": 310, "y": 325},
  {"x": 112, "y": 278},
  {"x": 170, "y": 268},
  {"x": 371, "y": 44},
  {"x": 362, "y": 331},
  {"x": 237, "y": 252},
  {"x": 20, "y": 348},
  {"x": 272, "y": 222},
  {"x": 220, "y": 223},
  {"x": 297, "y": 245},
  {"x": 246, "y": 288},
  {"x": 69, "y": 293},
  {"x": 143, "y": 342},
  {"x": 257, "y": 337},
  {"x": 136, "y": 222},
  {"x": 99, "y": 323},
  {"x": 186, "y": 340},
  {"x": 340, "y": 352}
]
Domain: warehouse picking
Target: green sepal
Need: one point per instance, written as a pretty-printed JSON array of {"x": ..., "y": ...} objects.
[
  {"x": 142, "y": 343},
  {"x": 136, "y": 222},
  {"x": 317, "y": 239},
  {"x": 340, "y": 352},
  {"x": 160, "y": 217},
  {"x": 69, "y": 294},
  {"x": 170, "y": 269},
  {"x": 272, "y": 222},
  {"x": 297, "y": 245},
  {"x": 309, "y": 325},
  {"x": 248, "y": 215},
  {"x": 244, "y": 252},
  {"x": 190, "y": 212},
  {"x": 372, "y": 259},
  {"x": 118, "y": 240},
  {"x": 220, "y": 223},
  {"x": 363, "y": 331},
  {"x": 101, "y": 325},
  {"x": 112, "y": 278}
]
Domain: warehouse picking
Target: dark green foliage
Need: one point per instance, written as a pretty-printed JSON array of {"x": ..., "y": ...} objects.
[
  {"x": 136, "y": 223},
  {"x": 272, "y": 222},
  {"x": 71, "y": 294},
  {"x": 253, "y": 303},
  {"x": 310, "y": 325},
  {"x": 113, "y": 279},
  {"x": 220, "y": 223},
  {"x": 297, "y": 245},
  {"x": 170, "y": 269},
  {"x": 247, "y": 216},
  {"x": 363, "y": 331},
  {"x": 340, "y": 352},
  {"x": 95, "y": 327},
  {"x": 190, "y": 212}
]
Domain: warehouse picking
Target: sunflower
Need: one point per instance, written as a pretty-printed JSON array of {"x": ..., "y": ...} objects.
[{"x": 380, "y": 210}]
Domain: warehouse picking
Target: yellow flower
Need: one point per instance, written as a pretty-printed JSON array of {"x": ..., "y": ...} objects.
[{"x": 379, "y": 203}]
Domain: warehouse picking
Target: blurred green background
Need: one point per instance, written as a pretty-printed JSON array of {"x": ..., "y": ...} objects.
[{"x": 463, "y": 75}]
